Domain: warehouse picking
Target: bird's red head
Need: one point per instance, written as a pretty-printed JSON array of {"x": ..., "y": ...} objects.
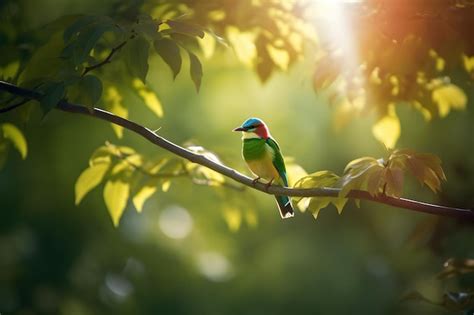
[{"x": 256, "y": 126}]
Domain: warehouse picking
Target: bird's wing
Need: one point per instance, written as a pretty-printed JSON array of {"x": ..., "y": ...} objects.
[{"x": 278, "y": 161}]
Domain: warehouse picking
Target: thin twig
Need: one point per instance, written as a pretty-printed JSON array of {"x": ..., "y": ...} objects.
[
  {"x": 12, "y": 107},
  {"x": 466, "y": 214},
  {"x": 106, "y": 60},
  {"x": 182, "y": 173}
]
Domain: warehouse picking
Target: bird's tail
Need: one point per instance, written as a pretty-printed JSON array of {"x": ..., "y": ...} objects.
[{"x": 285, "y": 207}]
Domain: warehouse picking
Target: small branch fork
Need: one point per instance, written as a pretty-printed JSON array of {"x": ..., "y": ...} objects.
[
  {"x": 465, "y": 214},
  {"x": 106, "y": 60}
]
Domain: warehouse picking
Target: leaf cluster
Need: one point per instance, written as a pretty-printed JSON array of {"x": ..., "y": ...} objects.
[
  {"x": 376, "y": 176},
  {"x": 128, "y": 175}
]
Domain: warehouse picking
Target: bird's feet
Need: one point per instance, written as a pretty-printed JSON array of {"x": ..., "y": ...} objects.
[
  {"x": 255, "y": 181},
  {"x": 267, "y": 186}
]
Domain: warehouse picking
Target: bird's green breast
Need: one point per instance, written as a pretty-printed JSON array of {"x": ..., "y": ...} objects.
[{"x": 254, "y": 149}]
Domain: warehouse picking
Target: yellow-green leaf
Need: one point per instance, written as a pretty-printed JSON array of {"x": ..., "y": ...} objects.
[
  {"x": 113, "y": 103},
  {"x": 116, "y": 194},
  {"x": 89, "y": 178},
  {"x": 317, "y": 179},
  {"x": 165, "y": 186},
  {"x": 294, "y": 171},
  {"x": 243, "y": 44},
  {"x": 387, "y": 129},
  {"x": 339, "y": 203},
  {"x": 318, "y": 203},
  {"x": 279, "y": 56},
  {"x": 449, "y": 97},
  {"x": 233, "y": 218},
  {"x": 14, "y": 134},
  {"x": 149, "y": 97},
  {"x": 143, "y": 194}
]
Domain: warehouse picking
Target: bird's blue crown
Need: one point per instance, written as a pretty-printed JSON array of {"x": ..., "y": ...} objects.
[{"x": 252, "y": 122}]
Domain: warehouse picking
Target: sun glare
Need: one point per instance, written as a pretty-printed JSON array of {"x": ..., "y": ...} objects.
[{"x": 331, "y": 18}]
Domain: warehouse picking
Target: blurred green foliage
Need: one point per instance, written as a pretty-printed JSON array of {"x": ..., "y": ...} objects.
[{"x": 216, "y": 250}]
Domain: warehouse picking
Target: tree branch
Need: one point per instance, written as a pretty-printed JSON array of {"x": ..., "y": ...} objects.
[
  {"x": 106, "y": 60},
  {"x": 148, "y": 134},
  {"x": 13, "y": 106}
]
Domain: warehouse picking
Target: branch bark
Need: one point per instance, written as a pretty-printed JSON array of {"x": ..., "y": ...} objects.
[{"x": 466, "y": 214}]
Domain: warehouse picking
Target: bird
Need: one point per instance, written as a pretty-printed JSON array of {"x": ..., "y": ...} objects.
[{"x": 264, "y": 159}]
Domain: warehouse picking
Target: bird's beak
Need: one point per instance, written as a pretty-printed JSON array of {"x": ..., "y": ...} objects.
[{"x": 239, "y": 129}]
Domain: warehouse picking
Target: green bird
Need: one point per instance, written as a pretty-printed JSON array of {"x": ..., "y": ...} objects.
[{"x": 264, "y": 159}]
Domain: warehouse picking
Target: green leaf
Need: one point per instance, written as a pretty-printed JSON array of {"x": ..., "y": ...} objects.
[
  {"x": 185, "y": 28},
  {"x": 137, "y": 57},
  {"x": 89, "y": 179},
  {"x": 45, "y": 63},
  {"x": 80, "y": 23},
  {"x": 147, "y": 26},
  {"x": 78, "y": 50},
  {"x": 52, "y": 95},
  {"x": 195, "y": 70},
  {"x": 16, "y": 137},
  {"x": 169, "y": 51},
  {"x": 144, "y": 193},
  {"x": 87, "y": 91},
  {"x": 116, "y": 194}
]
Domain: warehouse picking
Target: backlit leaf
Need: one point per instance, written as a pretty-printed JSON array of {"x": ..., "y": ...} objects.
[
  {"x": 449, "y": 97},
  {"x": 387, "y": 129},
  {"x": 279, "y": 56},
  {"x": 116, "y": 194},
  {"x": 243, "y": 45},
  {"x": 394, "y": 182},
  {"x": 12, "y": 133},
  {"x": 89, "y": 179},
  {"x": 318, "y": 180},
  {"x": 113, "y": 103},
  {"x": 144, "y": 193},
  {"x": 318, "y": 203},
  {"x": 165, "y": 186},
  {"x": 101, "y": 155},
  {"x": 149, "y": 97},
  {"x": 233, "y": 218}
]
